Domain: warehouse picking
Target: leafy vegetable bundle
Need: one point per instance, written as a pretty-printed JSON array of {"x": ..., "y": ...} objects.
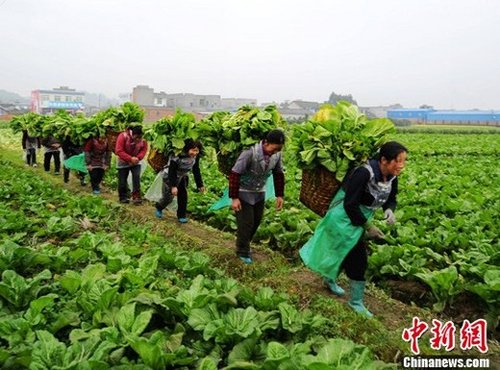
[
  {"x": 230, "y": 134},
  {"x": 168, "y": 134},
  {"x": 31, "y": 122},
  {"x": 79, "y": 128},
  {"x": 118, "y": 119},
  {"x": 337, "y": 138}
]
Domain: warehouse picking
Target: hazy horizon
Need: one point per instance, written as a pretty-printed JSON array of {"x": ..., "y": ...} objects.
[{"x": 442, "y": 53}]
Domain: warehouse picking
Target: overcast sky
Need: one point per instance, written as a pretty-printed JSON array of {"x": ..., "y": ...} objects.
[{"x": 444, "y": 53}]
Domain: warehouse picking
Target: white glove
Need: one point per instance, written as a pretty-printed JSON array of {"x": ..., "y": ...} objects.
[
  {"x": 373, "y": 233},
  {"x": 389, "y": 216}
]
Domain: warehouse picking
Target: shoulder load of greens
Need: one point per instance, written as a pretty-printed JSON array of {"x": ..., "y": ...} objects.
[
  {"x": 31, "y": 122},
  {"x": 230, "y": 134},
  {"x": 118, "y": 119},
  {"x": 337, "y": 138},
  {"x": 79, "y": 128},
  {"x": 168, "y": 134}
]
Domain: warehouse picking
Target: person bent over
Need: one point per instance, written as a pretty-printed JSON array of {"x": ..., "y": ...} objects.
[{"x": 175, "y": 179}]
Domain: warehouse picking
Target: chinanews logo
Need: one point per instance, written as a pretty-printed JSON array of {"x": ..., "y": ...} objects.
[{"x": 443, "y": 336}]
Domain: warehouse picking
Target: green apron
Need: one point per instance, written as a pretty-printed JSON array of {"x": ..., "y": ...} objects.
[
  {"x": 333, "y": 239},
  {"x": 76, "y": 162}
]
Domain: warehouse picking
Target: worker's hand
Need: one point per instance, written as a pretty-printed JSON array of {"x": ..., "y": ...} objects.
[
  {"x": 279, "y": 203},
  {"x": 134, "y": 160},
  {"x": 89, "y": 167},
  {"x": 174, "y": 191},
  {"x": 105, "y": 168},
  {"x": 374, "y": 233},
  {"x": 389, "y": 216},
  {"x": 236, "y": 205},
  {"x": 202, "y": 189}
]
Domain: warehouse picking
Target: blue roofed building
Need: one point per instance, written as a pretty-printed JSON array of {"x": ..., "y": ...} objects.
[{"x": 443, "y": 117}]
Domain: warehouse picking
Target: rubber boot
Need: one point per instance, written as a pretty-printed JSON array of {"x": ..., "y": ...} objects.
[
  {"x": 357, "y": 294},
  {"x": 334, "y": 287}
]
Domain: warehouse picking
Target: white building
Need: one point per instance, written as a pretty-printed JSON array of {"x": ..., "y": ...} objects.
[{"x": 50, "y": 101}]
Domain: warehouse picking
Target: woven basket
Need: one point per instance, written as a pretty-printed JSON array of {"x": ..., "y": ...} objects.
[
  {"x": 318, "y": 188},
  {"x": 112, "y": 136},
  {"x": 157, "y": 160},
  {"x": 225, "y": 163}
]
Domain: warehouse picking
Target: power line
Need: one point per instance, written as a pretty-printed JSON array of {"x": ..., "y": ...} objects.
[{"x": 4, "y": 1}]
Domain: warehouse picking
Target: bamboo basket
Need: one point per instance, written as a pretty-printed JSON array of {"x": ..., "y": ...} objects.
[
  {"x": 318, "y": 188},
  {"x": 225, "y": 162},
  {"x": 157, "y": 160},
  {"x": 111, "y": 136}
]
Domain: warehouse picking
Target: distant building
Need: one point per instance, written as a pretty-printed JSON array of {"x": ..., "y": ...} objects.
[
  {"x": 50, "y": 101},
  {"x": 124, "y": 98},
  {"x": 377, "y": 111},
  {"x": 9, "y": 110},
  {"x": 143, "y": 95},
  {"x": 146, "y": 97},
  {"x": 232, "y": 104},
  {"x": 432, "y": 116},
  {"x": 298, "y": 110},
  {"x": 152, "y": 114}
]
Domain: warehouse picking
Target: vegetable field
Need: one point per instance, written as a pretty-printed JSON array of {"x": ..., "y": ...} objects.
[
  {"x": 82, "y": 288},
  {"x": 447, "y": 232}
]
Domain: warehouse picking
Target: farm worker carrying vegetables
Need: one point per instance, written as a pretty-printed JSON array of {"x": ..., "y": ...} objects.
[
  {"x": 97, "y": 159},
  {"x": 247, "y": 183},
  {"x": 175, "y": 179},
  {"x": 51, "y": 146},
  {"x": 30, "y": 145},
  {"x": 338, "y": 241},
  {"x": 130, "y": 150}
]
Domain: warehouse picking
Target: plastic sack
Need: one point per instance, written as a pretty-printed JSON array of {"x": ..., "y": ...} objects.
[
  {"x": 154, "y": 192},
  {"x": 76, "y": 162},
  {"x": 225, "y": 201}
]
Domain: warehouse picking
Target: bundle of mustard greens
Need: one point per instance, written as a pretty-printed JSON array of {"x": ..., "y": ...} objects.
[
  {"x": 229, "y": 134},
  {"x": 338, "y": 138}
]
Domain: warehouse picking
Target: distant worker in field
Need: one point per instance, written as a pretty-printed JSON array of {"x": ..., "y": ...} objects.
[
  {"x": 30, "y": 145},
  {"x": 52, "y": 149},
  {"x": 97, "y": 159},
  {"x": 130, "y": 150},
  {"x": 340, "y": 240},
  {"x": 247, "y": 183},
  {"x": 175, "y": 179},
  {"x": 71, "y": 149}
]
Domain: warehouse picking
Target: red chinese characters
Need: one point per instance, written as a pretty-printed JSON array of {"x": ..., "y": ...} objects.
[
  {"x": 443, "y": 335},
  {"x": 474, "y": 335},
  {"x": 414, "y": 333}
]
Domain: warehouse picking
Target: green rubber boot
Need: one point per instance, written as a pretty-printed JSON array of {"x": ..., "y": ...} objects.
[
  {"x": 334, "y": 287},
  {"x": 356, "y": 301}
]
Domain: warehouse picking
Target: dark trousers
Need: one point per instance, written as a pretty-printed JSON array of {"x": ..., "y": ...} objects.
[
  {"x": 356, "y": 262},
  {"x": 57, "y": 161},
  {"x": 66, "y": 171},
  {"x": 248, "y": 220},
  {"x": 182, "y": 197},
  {"x": 31, "y": 156},
  {"x": 96, "y": 176},
  {"x": 123, "y": 190}
]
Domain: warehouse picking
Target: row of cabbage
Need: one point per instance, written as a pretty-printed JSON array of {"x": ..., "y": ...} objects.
[{"x": 82, "y": 288}]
